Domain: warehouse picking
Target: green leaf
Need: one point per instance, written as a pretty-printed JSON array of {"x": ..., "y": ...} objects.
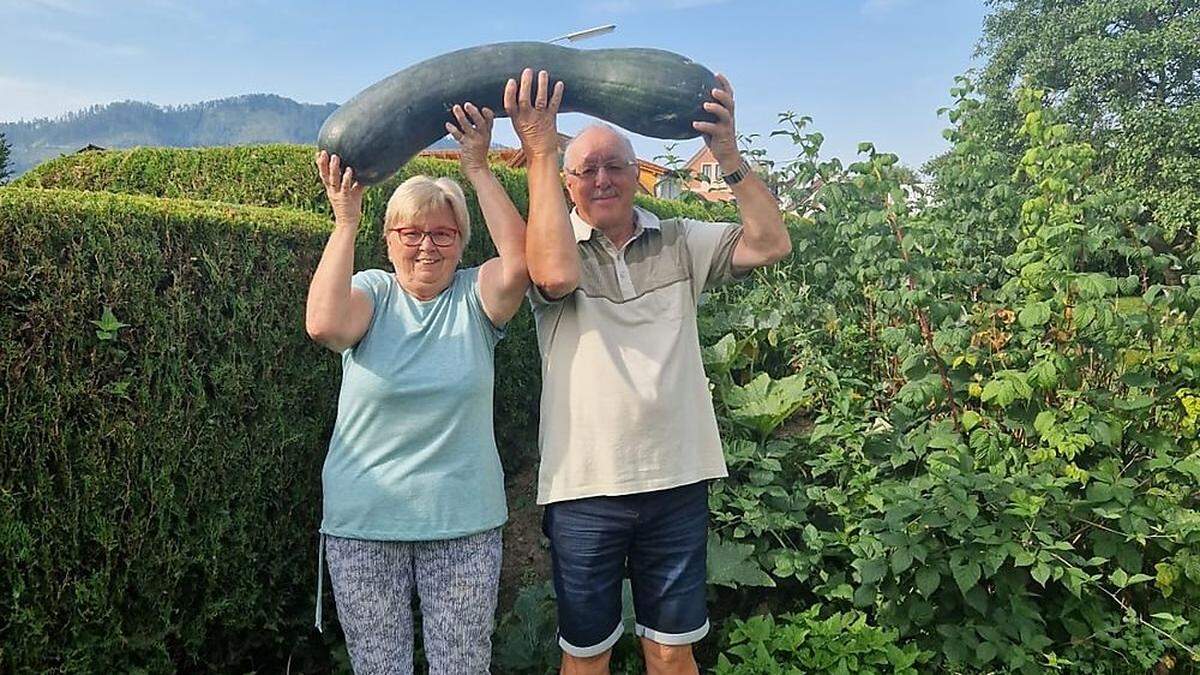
[
  {"x": 986, "y": 651},
  {"x": 1119, "y": 577},
  {"x": 731, "y": 564},
  {"x": 999, "y": 392},
  {"x": 902, "y": 559},
  {"x": 1034, "y": 314},
  {"x": 1040, "y": 573},
  {"x": 870, "y": 570},
  {"x": 864, "y": 596},
  {"x": 1044, "y": 422},
  {"x": 721, "y": 355},
  {"x": 108, "y": 325},
  {"x": 928, "y": 580},
  {"x": 966, "y": 573}
]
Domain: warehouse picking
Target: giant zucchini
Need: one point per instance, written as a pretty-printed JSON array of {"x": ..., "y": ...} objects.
[{"x": 648, "y": 91}]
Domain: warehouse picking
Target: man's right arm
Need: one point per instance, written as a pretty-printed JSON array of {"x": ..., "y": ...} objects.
[{"x": 551, "y": 253}]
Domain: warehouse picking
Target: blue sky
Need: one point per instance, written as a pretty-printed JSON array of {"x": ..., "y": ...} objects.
[{"x": 864, "y": 70}]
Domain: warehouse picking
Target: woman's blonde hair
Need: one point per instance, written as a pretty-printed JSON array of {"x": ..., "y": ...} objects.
[{"x": 420, "y": 195}]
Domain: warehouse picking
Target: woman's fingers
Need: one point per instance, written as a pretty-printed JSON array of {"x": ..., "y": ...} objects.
[
  {"x": 461, "y": 116},
  {"x": 335, "y": 172},
  {"x": 323, "y": 166},
  {"x": 477, "y": 118}
]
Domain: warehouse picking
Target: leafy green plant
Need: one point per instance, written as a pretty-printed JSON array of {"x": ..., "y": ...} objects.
[
  {"x": 526, "y": 638},
  {"x": 803, "y": 642}
]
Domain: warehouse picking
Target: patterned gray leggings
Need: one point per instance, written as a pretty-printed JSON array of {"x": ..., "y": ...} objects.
[{"x": 456, "y": 581}]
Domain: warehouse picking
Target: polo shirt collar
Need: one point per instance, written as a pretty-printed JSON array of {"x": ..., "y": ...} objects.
[{"x": 642, "y": 220}]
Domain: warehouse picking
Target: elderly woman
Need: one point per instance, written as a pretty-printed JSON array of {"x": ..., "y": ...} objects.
[{"x": 413, "y": 489}]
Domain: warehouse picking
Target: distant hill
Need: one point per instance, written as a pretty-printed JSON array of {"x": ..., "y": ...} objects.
[
  {"x": 238, "y": 120},
  {"x": 253, "y": 118}
]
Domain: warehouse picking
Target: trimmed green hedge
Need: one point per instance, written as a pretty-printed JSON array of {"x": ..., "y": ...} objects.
[
  {"x": 160, "y": 488},
  {"x": 284, "y": 175},
  {"x": 279, "y": 175}
]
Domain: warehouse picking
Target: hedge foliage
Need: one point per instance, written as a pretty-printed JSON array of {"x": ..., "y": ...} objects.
[{"x": 164, "y": 422}]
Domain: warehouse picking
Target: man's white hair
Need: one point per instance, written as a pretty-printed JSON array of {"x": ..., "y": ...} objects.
[{"x": 571, "y": 150}]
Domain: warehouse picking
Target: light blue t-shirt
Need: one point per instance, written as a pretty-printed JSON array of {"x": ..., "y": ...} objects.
[{"x": 413, "y": 455}]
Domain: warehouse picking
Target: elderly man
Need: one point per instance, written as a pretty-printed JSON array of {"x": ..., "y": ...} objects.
[{"x": 628, "y": 435}]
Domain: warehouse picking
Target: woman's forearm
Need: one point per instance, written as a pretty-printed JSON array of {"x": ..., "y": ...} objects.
[
  {"x": 329, "y": 306},
  {"x": 503, "y": 221}
]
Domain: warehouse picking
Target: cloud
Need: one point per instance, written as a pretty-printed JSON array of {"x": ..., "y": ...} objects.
[
  {"x": 878, "y": 8},
  {"x": 85, "y": 47},
  {"x": 26, "y": 100}
]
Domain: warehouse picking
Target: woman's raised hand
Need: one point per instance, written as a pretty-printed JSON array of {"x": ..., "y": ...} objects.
[
  {"x": 474, "y": 135},
  {"x": 344, "y": 193}
]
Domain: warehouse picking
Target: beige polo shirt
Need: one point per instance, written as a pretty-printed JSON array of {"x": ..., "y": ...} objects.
[{"x": 625, "y": 405}]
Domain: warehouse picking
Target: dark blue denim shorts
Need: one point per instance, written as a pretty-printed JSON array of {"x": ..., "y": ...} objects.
[{"x": 658, "y": 539}]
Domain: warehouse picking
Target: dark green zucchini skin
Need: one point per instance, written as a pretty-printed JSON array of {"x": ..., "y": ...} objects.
[{"x": 648, "y": 91}]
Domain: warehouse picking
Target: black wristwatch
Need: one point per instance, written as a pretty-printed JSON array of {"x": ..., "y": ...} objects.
[{"x": 734, "y": 177}]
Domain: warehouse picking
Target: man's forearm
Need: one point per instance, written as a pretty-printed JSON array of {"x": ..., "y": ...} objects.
[
  {"x": 551, "y": 251},
  {"x": 763, "y": 231}
]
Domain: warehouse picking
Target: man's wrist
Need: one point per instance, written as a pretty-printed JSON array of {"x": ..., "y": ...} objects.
[
  {"x": 542, "y": 154},
  {"x": 730, "y": 162}
]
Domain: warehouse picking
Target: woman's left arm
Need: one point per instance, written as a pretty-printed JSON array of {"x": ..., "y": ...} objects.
[{"x": 503, "y": 279}]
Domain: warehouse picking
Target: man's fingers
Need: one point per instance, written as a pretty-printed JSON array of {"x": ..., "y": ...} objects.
[
  {"x": 720, "y": 111},
  {"x": 724, "y": 83},
  {"x": 723, "y": 97},
  {"x": 454, "y": 132},
  {"x": 543, "y": 90},
  {"x": 348, "y": 177},
  {"x": 523, "y": 97},
  {"x": 706, "y": 128},
  {"x": 510, "y": 97},
  {"x": 556, "y": 99},
  {"x": 488, "y": 115}
]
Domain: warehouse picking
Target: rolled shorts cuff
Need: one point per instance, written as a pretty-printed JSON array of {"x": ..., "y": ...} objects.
[
  {"x": 672, "y": 638},
  {"x": 599, "y": 648}
]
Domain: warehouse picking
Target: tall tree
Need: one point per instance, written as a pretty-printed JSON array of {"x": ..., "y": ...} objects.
[
  {"x": 5, "y": 168},
  {"x": 1127, "y": 72}
]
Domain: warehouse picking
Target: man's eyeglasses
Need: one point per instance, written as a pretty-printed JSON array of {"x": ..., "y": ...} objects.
[
  {"x": 588, "y": 171},
  {"x": 411, "y": 236}
]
